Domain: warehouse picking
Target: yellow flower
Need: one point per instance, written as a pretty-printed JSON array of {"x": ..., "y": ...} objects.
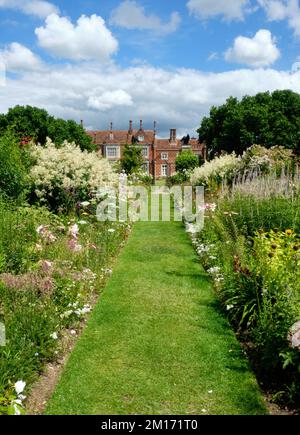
[{"x": 289, "y": 232}]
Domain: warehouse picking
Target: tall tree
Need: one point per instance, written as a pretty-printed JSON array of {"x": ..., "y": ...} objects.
[
  {"x": 265, "y": 119},
  {"x": 132, "y": 159},
  {"x": 27, "y": 121}
]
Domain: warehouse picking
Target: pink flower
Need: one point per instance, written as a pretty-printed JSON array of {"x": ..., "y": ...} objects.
[
  {"x": 74, "y": 246},
  {"x": 74, "y": 231},
  {"x": 45, "y": 234},
  {"x": 46, "y": 265},
  {"x": 212, "y": 207}
]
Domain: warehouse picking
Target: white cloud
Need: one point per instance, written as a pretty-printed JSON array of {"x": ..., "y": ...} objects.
[
  {"x": 229, "y": 9},
  {"x": 89, "y": 39},
  {"x": 110, "y": 99},
  {"x": 259, "y": 51},
  {"x": 17, "y": 58},
  {"x": 130, "y": 15},
  {"x": 275, "y": 9},
  {"x": 176, "y": 98},
  {"x": 39, "y": 8},
  {"x": 296, "y": 66},
  {"x": 278, "y": 10}
]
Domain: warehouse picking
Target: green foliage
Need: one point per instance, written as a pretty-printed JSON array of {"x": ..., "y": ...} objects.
[
  {"x": 186, "y": 161},
  {"x": 265, "y": 119},
  {"x": 251, "y": 247},
  {"x": 47, "y": 285},
  {"x": 132, "y": 159},
  {"x": 177, "y": 179},
  {"x": 35, "y": 123},
  {"x": 13, "y": 168},
  {"x": 18, "y": 235}
]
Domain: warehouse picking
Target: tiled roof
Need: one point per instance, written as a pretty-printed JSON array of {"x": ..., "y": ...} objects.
[
  {"x": 123, "y": 137},
  {"x": 120, "y": 136},
  {"x": 165, "y": 144}
]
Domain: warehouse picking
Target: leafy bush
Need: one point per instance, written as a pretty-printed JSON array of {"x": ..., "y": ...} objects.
[
  {"x": 177, "y": 179},
  {"x": 63, "y": 176},
  {"x": 186, "y": 161},
  {"x": 213, "y": 173},
  {"x": 13, "y": 177},
  {"x": 132, "y": 159}
]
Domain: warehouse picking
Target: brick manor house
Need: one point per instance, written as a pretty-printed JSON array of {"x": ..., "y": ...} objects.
[{"x": 159, "y": 154}]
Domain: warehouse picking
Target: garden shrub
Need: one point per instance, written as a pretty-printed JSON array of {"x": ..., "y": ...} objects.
[
  {"x": 13, "y": 177},
  {"x": 213, "y": 173},
  {"x": 186, "y": 161},
  {"x": 63, "y": 176}
]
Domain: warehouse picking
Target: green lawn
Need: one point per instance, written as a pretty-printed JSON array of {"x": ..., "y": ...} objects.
[{"x": 157, "y": 343}]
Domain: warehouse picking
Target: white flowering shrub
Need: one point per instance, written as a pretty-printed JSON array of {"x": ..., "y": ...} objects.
[
  {"x": 63, "y": 176},
  {"x": 212, "y": 173}
]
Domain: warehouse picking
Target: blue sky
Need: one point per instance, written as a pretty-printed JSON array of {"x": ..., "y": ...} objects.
[{"x": 102, "y": 60}]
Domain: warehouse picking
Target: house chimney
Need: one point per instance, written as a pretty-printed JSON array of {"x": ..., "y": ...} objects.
[
  {"x": 141, "y": 125},
  {"x": 154, "y": 127},
  {"x": 173, "y": 135},
  {"x": 81, "y": 123},
  {"x": 111, "y": 127},
  {"x": 130, "y": 127}
]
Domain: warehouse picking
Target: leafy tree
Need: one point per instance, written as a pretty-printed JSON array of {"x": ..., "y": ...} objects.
[
  {"x": 186, "y": 161},
  {"x": 27, "y": 121},
  {"x": 267, "y": 119},
  {"x": 132, "y": 159}
]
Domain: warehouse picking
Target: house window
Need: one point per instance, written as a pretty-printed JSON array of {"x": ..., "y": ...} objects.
[
  {"x": 164, "y": 156},
  {"x": 164, "y": 170},
  {"x": 112, "y": 152},
  {"x": 111, "y": 136},
  {"x": 145, "y": 152},
  {"x": 141, "y": 138},
  {"x": 145, "y": 168}
]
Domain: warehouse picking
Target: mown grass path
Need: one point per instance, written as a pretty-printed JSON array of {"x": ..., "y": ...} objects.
[{"x": 156, "y": 342}]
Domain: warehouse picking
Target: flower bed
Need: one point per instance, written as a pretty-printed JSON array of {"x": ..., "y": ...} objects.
[
  {"x": 51, "y": 268},
  {"x": 251, "y": 248}
]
